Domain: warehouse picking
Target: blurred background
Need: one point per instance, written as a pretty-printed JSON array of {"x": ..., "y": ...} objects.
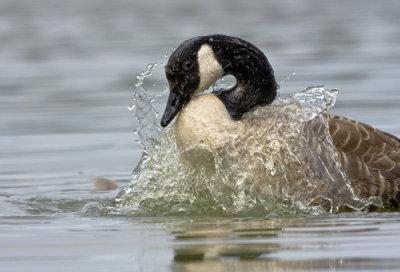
[
  {"x": 68, "y": 68},
  {"x": 67, "y": 75}
]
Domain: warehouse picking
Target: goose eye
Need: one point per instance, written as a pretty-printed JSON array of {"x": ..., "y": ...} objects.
[{"x": 187, "y": 65}]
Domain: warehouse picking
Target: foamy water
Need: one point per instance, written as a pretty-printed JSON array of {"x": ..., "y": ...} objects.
[{"x": 292, "y": 168}]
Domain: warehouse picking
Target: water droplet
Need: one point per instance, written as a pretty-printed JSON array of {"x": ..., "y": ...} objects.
[
  {"x": 131, "y": 107},
  {"x": 93, "y": 209}
]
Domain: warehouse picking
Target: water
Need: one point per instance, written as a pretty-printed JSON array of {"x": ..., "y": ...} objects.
[
  {"x": 67, "y": 70},
  {"x": 171, "y": 180}
]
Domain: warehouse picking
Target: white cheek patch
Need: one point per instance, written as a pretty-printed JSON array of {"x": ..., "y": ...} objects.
[{"x": 210, "y": 70}]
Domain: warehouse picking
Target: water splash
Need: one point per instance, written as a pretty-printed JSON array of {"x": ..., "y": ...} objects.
[
  {"x": 284, "y": 176},
  {"x": 148, "y": 130},
  {"x": 315, "y": 100}
]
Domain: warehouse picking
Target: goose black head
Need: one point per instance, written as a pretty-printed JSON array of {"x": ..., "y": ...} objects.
[{"x": 198, "y": 62}]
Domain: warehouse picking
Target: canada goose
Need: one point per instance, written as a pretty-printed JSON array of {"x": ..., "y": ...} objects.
[{"x": 370, "y": 158}]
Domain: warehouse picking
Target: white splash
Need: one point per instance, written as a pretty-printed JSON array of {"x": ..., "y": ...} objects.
[{"x": 296, "y": 172}]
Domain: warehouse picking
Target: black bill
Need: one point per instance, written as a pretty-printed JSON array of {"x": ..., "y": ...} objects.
[{"x": 174, "y": 105}]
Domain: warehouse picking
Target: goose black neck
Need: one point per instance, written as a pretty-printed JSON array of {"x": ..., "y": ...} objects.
[{"x": 255, "y": 81}]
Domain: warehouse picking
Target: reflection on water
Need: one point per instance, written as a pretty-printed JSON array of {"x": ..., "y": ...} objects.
[
  {"x": 351, "y": 242},
  {"x": 282, "y": 244},
  {"x": 225, "y": 240}
]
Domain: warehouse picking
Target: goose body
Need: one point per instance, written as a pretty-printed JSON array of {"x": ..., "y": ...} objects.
[{"x": 273, "y": 147}]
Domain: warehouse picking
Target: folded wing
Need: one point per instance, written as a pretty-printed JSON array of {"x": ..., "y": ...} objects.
[{"x": 370, "y": 158}]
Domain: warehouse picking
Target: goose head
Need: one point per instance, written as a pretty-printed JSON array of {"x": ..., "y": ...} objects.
[{"x": 198, "y": 62}]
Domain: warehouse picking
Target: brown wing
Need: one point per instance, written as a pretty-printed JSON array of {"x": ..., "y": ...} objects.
[{"x": 370, "y": 158}]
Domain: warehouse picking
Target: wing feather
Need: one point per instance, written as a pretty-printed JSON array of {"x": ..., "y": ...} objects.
[{"x": 369, "y": 157}]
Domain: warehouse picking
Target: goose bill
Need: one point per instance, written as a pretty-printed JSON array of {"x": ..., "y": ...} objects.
[{"x": 175, "y": 103}]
